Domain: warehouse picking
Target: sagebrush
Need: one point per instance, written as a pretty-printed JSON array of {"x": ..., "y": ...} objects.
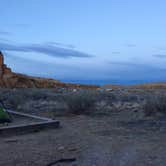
[
  {"x": 155, "y": 105},
  {"x": 80, "y": 102}
]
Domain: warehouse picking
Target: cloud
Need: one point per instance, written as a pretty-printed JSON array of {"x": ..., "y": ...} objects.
[
  {"x": 130, "y": 45},
  {"x": 116, "y": 52},
  {"x": 122, "y": 63},
  {"x": 22, "y": 25},
  {"x": 4, "y": 33},
  {"x": 135, "y": 72},
  {"x": 115, "y": 71},
  {"x": 57, "y": 70},
  {"x": 4, "y": 40},
  {"x": 136, "y": 66},
  {"x": 48, "y": 49},
  {"x": 61, "y": 44},
  {"x": 159, "y": 55},
  {"x": 161, "y": 48}
]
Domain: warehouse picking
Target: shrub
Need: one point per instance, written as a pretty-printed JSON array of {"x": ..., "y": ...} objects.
[
  {"x": 127, "y": 97},
  {"x": 19, "y": 99},
  {"x": 80, "y": 102},
  {"x": 155, "y": 105}
]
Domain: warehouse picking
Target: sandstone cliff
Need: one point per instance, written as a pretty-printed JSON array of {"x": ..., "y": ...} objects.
[{"x": 9, "y": 79}]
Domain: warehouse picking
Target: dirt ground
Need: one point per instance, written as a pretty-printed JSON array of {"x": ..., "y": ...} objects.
[{"x": 92, "y": 141}]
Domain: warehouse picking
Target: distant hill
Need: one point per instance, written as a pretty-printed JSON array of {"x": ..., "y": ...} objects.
[
  {"x": 9, "y": 79},
  {"x": 139, "y": 86},
  {"x": 111, "y": 86},
  {"x": 151, "y": 85}
]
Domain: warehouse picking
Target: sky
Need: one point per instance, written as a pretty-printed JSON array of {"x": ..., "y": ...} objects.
[{"x": 85, "y": 41}]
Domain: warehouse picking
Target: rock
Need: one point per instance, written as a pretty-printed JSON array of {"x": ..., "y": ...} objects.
[
  {"x": 72, "y": 149},
  {"x": 11, "y": 140},
  {"x": 4, "y": 70},
  {"x": 61, "y": 148}
]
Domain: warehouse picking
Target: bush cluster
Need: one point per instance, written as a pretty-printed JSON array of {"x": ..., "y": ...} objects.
[
  {"x": 81, "y": 102},
  {"x": 155, "y": 105}
]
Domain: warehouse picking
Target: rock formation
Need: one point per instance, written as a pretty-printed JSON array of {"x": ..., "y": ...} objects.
[
  {"x": 9, "y": 79},
  {"x": 4, "y": 70}
]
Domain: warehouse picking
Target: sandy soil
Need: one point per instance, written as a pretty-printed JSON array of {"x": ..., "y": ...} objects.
[{"x": 92, "y": 141}]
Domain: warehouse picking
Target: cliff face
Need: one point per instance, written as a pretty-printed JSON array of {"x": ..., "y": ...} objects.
[
  {"x": 4, "y": 70},
  {"x": 9, "y": 79}
]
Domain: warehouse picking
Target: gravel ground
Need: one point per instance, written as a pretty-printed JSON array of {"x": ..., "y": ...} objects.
[{"x": 92, "y": 141}]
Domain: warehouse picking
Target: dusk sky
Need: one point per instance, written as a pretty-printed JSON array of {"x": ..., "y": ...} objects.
[{"x": 85, "y": 41}]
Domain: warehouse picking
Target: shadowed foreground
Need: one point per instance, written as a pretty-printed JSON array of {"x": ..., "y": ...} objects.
[{"x": 92, "y": 141}]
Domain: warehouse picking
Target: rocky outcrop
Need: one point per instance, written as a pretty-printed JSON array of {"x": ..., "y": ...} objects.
[
  {"x": 9, "y": 79},
  {"x": 4, "y": 70}
]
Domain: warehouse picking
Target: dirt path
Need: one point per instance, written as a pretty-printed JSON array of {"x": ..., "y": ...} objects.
[{"x": 92, "y": 141}]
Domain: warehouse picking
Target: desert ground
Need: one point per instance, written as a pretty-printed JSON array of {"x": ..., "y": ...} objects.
[{"x": 121, "y": 128}]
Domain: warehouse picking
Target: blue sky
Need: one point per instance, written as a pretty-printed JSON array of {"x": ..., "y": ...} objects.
[{"x": 85, "y": 41}]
